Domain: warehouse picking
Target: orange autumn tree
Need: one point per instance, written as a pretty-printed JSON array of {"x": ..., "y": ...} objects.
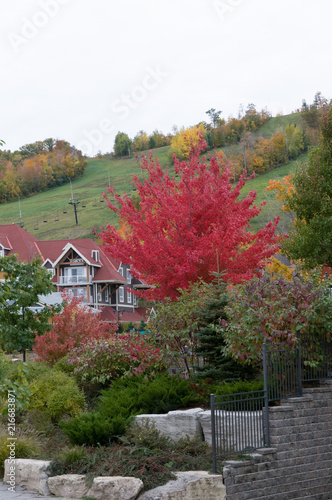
[
  {"x": 187, "y": 228},
  {"x": 284, "y": 190}
]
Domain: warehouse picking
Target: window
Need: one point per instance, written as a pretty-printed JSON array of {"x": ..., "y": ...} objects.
[
  {"x": 79, "y": 292},
  {"x": 135, "y": 300},
  {"x": 99, "y": 293},
  {"x": 75, "y": 275},
  {"x": 121, "y": 271},
  {"x": 106, "y": 294},
  {"x": 121, "y": 294},
  {"x": 129, "y": 296},
  {"x": 95, "y": 255},
  {"x": 128, "y": 276},
  {"x": 2, "y": 251}
]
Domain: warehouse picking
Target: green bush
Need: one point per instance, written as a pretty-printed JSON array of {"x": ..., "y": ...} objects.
[
  {"x": 162, "y": 394},
  {"x": 57, "y": 394},
  {"x": 5, "y": 366},
  {"x": 18, "y": 385},
  {"x": 236, "y": 387},
  {"x": 94, "y": 429},
  {"x": 31, "y": 370},
  {"x": 128, "y": 397}
]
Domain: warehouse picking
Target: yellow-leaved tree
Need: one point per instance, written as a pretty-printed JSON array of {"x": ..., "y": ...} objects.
[{"x": 184, "y": 140}]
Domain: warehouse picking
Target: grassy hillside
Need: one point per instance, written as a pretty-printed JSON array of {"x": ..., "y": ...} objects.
[
  {"x": 51, "y": 205},
  {"x": 49, "y": 215},
  {"x": 279, "y": 123}
]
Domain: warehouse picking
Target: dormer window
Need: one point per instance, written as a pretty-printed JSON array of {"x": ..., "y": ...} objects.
[{"x": 95, "y": 255}]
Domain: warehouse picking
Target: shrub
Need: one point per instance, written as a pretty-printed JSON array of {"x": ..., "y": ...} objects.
[
  {"x": 56, "y": 394},
  {"x": 99, "y": 361},
  {"x": 5, "y": 366},
  {"x": 30, "y": 369},
  {"x": 161, "y": 394},
  {"x": 94, "y": 429},
  {"x": 18, "y": 386},
  {"x": 278, "y": 309},
  {"x": 73, "y": 326},
  {"x": 125, "y": 398},
  {"x": 236, "y": 387}
]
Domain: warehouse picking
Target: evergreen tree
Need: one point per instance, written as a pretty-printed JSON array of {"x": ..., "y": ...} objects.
[
  {"x": 217, "y": 365},
  {"x": 311, "y": 239}
]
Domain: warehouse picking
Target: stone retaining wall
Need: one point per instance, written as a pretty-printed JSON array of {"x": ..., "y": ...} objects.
[
  {"x": 299, "y": 463},
  {"x": 190, "y": 485}
]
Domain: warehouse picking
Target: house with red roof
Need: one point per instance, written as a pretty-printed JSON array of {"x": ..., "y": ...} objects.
[{"x": 82, "y": 268}]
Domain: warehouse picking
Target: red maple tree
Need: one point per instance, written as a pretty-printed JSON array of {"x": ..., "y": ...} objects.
[{"x": 185, "y": 228}]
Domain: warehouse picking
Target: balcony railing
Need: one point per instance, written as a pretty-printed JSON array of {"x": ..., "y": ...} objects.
[{"x": 73, "y": 280}]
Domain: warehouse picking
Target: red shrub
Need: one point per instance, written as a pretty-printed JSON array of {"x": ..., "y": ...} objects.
[{"x": 74, "y": 326}]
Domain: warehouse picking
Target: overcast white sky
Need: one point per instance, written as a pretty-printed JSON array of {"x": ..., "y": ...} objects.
[{"x": 81, "y": 70}]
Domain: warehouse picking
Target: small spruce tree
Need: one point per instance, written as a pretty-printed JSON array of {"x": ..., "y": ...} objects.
[{"x": 217, "y": 365}]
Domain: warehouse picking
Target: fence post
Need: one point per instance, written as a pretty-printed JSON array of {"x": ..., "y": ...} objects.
[
  {"x": 299, "y": 367},
  {"x": 213, "y": 434},
  {"x": 266, "y": 398}
]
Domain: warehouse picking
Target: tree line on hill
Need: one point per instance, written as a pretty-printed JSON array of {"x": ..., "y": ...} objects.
[
  {"x": 45, "y": 164},
  {"x": 246, "y": 149},
  {"x": 38, "y": 166}
]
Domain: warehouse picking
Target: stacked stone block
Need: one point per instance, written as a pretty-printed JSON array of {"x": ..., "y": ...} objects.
[{"x": 299, "y": 463}]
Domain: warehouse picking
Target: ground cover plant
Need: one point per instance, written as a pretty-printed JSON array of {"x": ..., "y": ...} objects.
[{"x": 143, "y": 453}]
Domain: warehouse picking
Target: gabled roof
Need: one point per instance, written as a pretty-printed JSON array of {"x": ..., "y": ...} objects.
[
  {"x": 55, "y": 250},
  {"x": 18, "y": 241}
]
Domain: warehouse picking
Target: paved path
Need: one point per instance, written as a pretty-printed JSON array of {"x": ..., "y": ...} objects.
[{"x": 21, "y": 494}]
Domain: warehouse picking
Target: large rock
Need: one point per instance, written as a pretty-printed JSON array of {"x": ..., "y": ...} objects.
[
  {"x": 192, "y": 485},
  {"x": 176, "y": 424},
  {"x": 68, "y": 485},
  {"x": 30, "y": 474},
  {"x": 115, "y": 488}
]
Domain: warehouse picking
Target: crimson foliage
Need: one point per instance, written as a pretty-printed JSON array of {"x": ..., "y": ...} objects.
[
  {"x": 75, "y": 325},
  {"x": 186, "y": 228}
]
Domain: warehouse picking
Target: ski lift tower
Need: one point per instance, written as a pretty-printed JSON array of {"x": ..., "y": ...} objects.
[{"x": 74, "y": 201}]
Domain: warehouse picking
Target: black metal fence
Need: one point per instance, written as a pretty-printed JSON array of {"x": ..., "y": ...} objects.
[
  {"x": 237, "y": 423},
  {"x": 240, "y": 422},
  {"x": 316, "y": 356},
  {"x": 282, "y": 371}
]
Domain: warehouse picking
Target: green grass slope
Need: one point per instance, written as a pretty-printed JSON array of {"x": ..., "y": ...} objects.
[
  {"x": 43, "y": 214},
  {"x": 278, "y": 124},
  {"x": 49, "y": 215}
]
